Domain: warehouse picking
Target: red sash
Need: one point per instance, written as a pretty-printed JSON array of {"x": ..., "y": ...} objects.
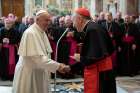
[
  {"x": 11, "y": 65},
  {"x": 73, "y": 46},
  {"x": 91, "y": 75},
  {"x": 128, "y": 39}
]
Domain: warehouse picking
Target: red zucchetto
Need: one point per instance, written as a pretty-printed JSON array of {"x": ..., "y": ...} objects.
[{"x": 83, "y": 11}]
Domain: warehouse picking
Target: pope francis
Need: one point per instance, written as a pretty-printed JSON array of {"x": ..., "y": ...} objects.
[{"x": 33, "y": 69}]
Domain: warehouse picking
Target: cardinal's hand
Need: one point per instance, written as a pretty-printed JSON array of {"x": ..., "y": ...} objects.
[{"x": 76, "y": 57}]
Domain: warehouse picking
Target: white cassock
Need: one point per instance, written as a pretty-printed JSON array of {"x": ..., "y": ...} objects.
[{"x": 33, "y": 69}]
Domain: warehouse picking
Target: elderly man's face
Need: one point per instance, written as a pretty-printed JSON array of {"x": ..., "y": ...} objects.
[
  {"x": 108, "y": 17},
  {"x": 61, "y": 23},
  {"x": 44, "y": 21},
  {"x": 119, "y": 15},
  {"x": 76, "y": 22},
  {"x": 127, "y": 19},
  {"x": 68, "y": 22},
  {"x": 102, "y": 16}
]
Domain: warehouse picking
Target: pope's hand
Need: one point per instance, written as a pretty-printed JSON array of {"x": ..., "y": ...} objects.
[{"x": 64, "y": 68}]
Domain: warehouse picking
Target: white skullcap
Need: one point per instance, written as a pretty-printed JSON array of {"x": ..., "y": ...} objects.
[{"x": 40, "y": 12}]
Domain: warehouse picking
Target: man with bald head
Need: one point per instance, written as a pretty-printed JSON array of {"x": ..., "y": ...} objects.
[
  {"x": 34, "y": 66},
  {"x": 101, "y": 18},
  {"x": 119, "y": 18}
]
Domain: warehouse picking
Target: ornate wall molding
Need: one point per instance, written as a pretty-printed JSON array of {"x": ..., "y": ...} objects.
[{"x": 31, "y": 6}]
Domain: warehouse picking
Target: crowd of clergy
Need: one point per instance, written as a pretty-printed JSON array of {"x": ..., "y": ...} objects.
[{"x": 123, "y": 31}]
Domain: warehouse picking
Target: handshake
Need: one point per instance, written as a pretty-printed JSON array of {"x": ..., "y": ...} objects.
[{"x": 64, "y": 68}]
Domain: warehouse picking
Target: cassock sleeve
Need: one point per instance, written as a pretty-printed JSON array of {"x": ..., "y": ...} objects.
[
  {"x": 49, "y": 64},
  {"x": 44, "y": 62}
]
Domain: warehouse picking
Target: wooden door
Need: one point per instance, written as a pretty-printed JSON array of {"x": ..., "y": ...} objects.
[{"x": 13, "y": 6}]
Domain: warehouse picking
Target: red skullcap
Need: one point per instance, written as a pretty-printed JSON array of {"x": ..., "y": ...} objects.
[{"x": 83, "y": 11}]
